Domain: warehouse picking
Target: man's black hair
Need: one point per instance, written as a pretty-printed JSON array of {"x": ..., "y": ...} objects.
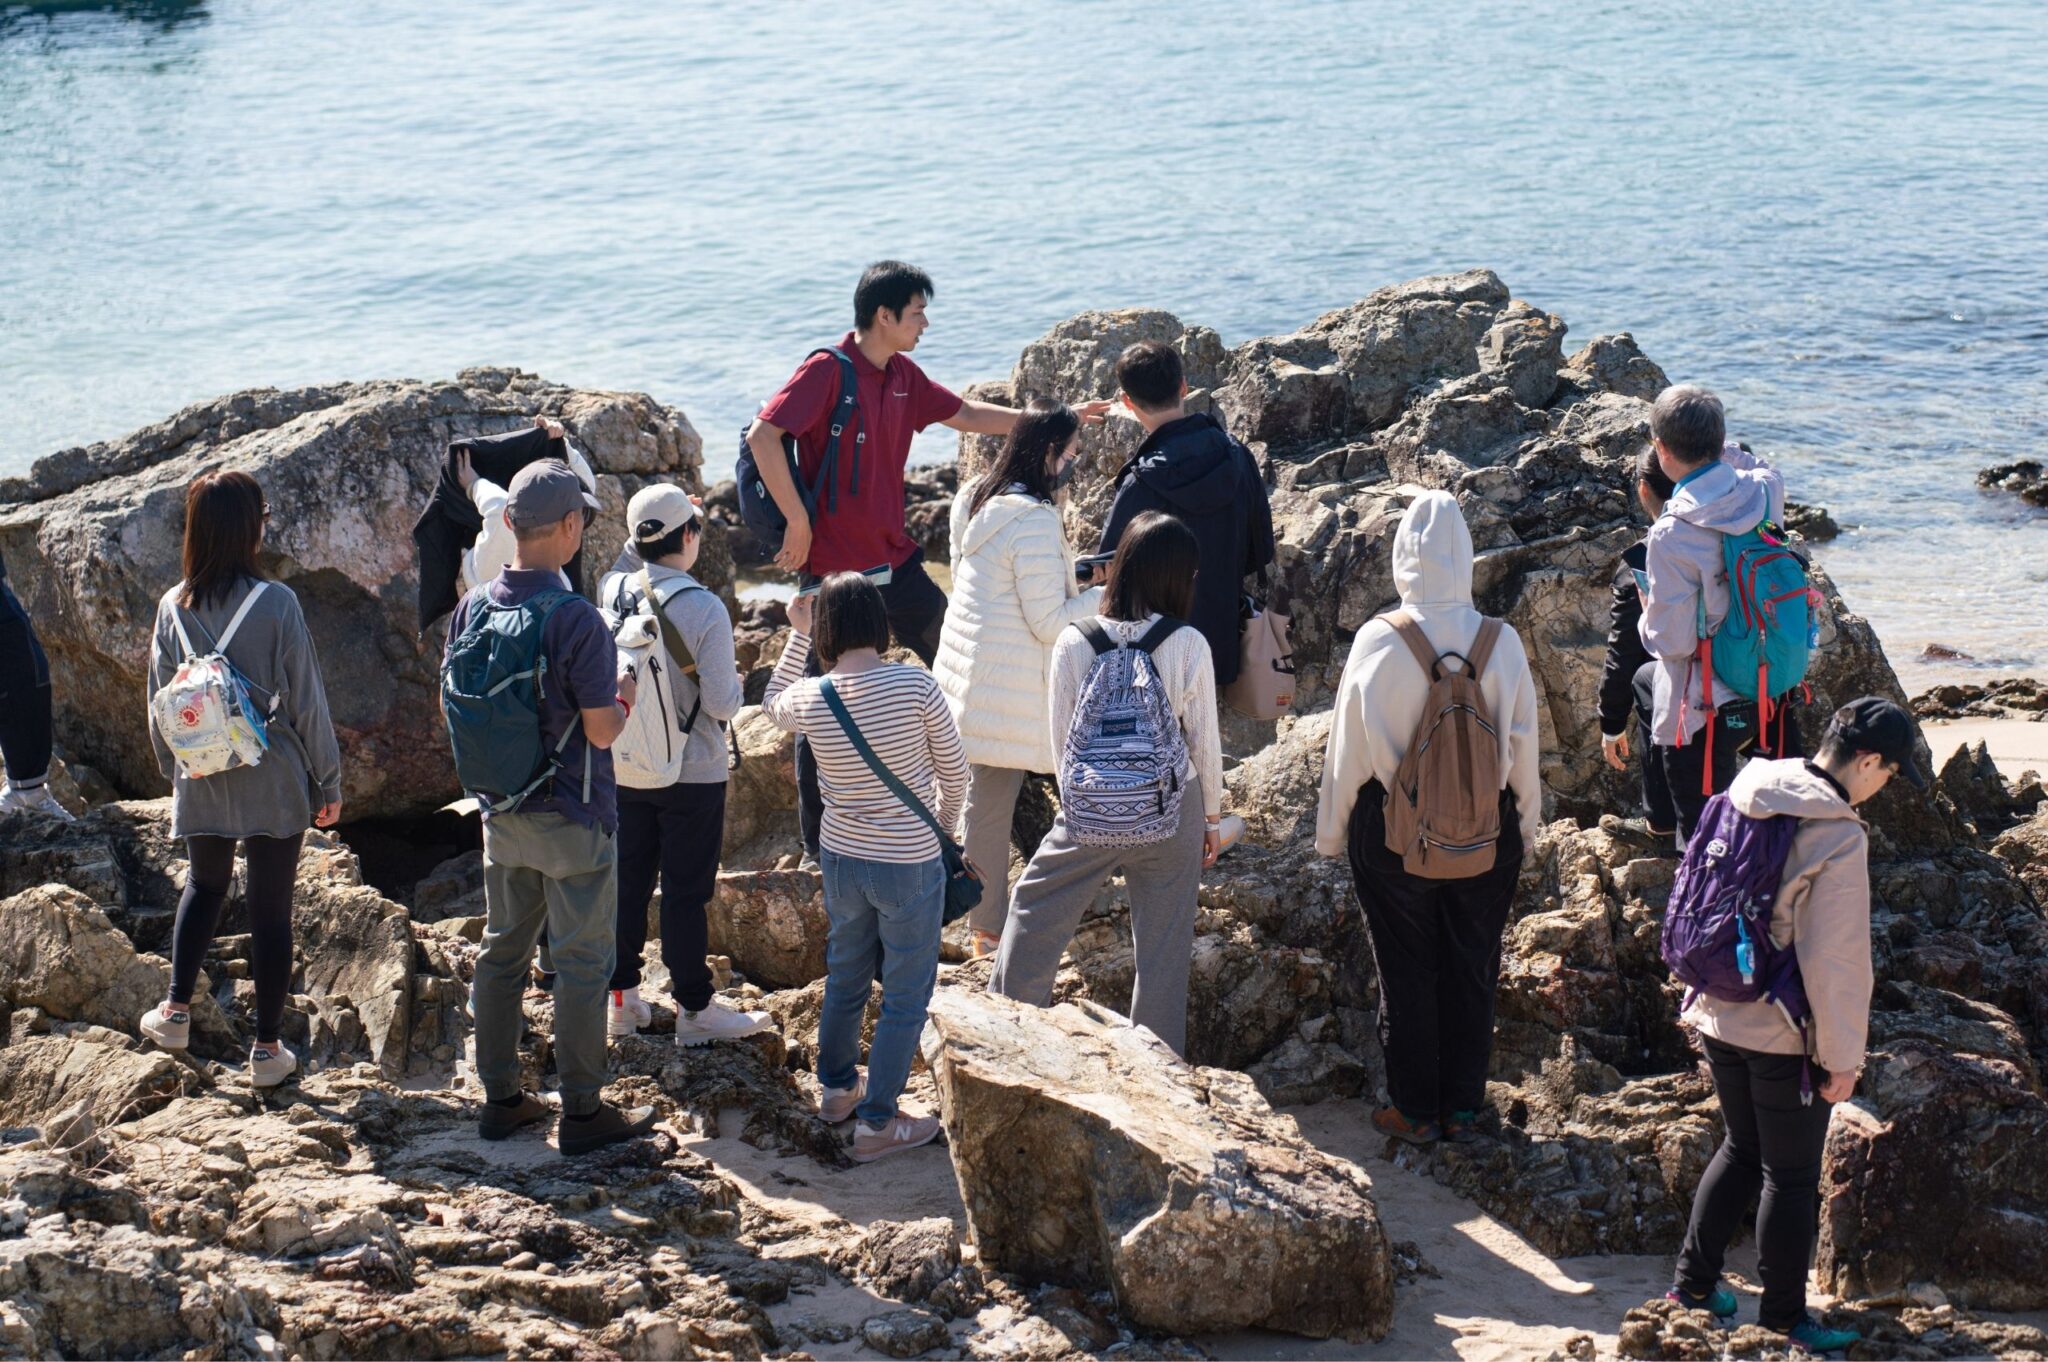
[
  {"x": 891, "y": 284},
  {"x": 1150, "y": 374},
  {"x": 654, "y": 550}
]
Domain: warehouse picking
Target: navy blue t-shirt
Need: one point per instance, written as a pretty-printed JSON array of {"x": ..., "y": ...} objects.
[{"x": 582, "y": 674}]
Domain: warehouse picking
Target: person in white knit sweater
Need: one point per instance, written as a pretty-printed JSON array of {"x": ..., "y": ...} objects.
[
  {"x": 1014, "y": 590},
  {"x": 1152, "y": 577},
  {"x": 1436, "y": 942}
]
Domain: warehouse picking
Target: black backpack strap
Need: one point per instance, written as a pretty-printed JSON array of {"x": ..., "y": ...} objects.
[
  {"x": 843, "y": 412},
  {"x": 1159, "y": 633},
  {"x": 1097, "y": 636}
]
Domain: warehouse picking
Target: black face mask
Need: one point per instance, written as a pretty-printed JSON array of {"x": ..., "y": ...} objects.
[{"x": 1063, "y": 476}]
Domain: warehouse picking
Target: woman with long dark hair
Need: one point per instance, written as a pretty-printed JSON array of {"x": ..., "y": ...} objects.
[
  {"x": 1014, "y": 590},
  {"x": 225, "y": 605},
  {"x": 1144, "y": 608}
]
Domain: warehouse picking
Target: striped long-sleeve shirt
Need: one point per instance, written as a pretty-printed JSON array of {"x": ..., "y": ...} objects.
[{"x": 903, "y": 716}]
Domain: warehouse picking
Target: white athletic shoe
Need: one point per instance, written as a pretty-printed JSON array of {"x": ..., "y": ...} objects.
[
  {"x": 171, "y": 1030},
  {"x": 719, "y": 1021},
  {"x": 624, "y": 1013},
  {"x": 900, "y": 1133},
  {"x": 35, "y": 799},
  {"x": 270, "y": 1065},
  {"x": 837, "y": 1104}
]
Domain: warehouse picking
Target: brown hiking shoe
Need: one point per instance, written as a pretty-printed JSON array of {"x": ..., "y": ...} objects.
[
  {"x": 497, "y": 1122},
  {"x": 608, "y": 1126},
  {"x": 1389, "y": 1121}
]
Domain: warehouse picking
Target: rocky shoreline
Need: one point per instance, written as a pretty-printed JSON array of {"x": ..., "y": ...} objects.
[{"x": 353, "y": 1215}]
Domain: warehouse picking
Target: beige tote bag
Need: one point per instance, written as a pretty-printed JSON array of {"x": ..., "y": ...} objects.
[{"x": 1264, "y": 687}]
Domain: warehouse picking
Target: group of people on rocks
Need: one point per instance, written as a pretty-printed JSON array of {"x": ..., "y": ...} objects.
[{"x": 1102, "y": 672}]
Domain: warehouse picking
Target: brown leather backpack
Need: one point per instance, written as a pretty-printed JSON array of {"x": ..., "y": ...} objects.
[{"x": 1443, "y": 814}]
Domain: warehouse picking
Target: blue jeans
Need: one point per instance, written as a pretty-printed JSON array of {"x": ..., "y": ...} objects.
[{"x": 892, "y": 911}]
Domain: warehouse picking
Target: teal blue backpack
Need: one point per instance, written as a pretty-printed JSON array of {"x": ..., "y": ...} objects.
[
  {"x": 1762, "y": 648},
  {"x": 491, "y": 687}
]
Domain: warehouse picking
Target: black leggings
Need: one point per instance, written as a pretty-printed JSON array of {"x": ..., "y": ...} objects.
[
  {"x": 273, "y": 867},
  {"x": 24, "y": 696}
]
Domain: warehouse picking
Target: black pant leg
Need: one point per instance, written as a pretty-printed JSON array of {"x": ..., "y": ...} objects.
[
  {"x": 1732, "y": 1178},
  {"x": 692, "y": 840},
  {"x": 640, "y": 851},
  {"x": 1657, "y": 805},
  {"x": 1401, "y": 923},
  {"x": 1469, "y": 931},
  {"x": 24, "y": 696},
  {"x": 273, "y": 864},
  {"x": 1791, "y": 1133},
  {"x": 209, "y": 874},
  {"x": 917, "y": 608}
]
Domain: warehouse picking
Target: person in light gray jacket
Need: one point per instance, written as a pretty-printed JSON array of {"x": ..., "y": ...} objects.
[
  {"x": 266, "y": 807},
  {"x": 676, "y": 830}
]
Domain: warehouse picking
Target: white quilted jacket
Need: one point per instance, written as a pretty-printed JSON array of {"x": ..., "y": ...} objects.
[{"x": 1013, "y": 591}]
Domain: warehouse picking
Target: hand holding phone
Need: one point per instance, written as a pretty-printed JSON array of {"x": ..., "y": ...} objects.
[{"x": 1093, "y": 568}]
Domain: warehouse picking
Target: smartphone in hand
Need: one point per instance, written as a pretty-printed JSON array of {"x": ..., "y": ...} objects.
[
  {"x": 1086, "y": 568},
  {"x": 880, "y": 576}
]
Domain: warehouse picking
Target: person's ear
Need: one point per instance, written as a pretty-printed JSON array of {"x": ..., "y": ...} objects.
[{"x": 1183, "y": 390}]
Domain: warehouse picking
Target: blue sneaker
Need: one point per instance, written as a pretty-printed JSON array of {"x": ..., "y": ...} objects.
[
  {"x": 1815, "y": 1337},
  {"x": 1721, "y": 1303}
]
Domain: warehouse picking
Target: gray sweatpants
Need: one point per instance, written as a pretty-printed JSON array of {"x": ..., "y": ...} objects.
[
  {"x": 1063, "y": 879},
  {"x": 991, "y": 807},
  {"x": 545, "y": 870}
]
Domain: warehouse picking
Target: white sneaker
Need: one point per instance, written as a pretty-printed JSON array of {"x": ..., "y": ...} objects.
[
  {"x": 719, "y": 1021},
  {"x": 270, "y": 1065},
  {"x": 837, "y": 1104},
  {"x": 902, "y": 1132},
  {"x": 624, "y": 1013},
  {"x": 171, "y": 1030},
  {"x": 35, "y": 799},
  {"x": 1229, "y": 832}
]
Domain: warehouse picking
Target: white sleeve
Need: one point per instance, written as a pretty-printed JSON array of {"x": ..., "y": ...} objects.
[{"x": 492, "y": 550}]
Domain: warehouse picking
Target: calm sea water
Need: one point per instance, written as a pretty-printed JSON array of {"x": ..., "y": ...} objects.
[{"x": 1834, "y": 213}]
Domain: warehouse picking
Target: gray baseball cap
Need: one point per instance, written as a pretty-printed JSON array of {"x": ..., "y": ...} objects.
[{"x": 545, "y": 491}]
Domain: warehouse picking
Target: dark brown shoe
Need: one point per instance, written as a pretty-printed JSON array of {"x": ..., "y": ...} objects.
[
  {"x": 497, "y": 1122},
  {"x": 609, "y": 1126}
]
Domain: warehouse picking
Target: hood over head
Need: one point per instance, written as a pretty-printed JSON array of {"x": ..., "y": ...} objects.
[
  {"x": 1191, "y": 463},
  {"x": 1766, "y": 788},
  {"x": 1433, "y": 553},
  {"x": 1723, "y": 498}
]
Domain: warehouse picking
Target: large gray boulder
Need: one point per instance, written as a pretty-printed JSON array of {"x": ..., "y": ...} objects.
[
  {"x": 91, "y": 539},
  {"x": 1088, "y": 1154}
]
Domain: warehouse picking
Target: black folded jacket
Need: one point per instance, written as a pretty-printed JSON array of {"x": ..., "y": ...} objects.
[{"x": 451, "y": 523}]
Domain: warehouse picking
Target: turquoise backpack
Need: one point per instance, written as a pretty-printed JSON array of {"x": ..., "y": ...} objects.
[
  {"x": 491, "y": 687},
  {"x": 1762, "y": 648}
]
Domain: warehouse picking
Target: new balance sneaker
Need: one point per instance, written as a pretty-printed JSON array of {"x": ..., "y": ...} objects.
[
  {"x": 168, "y": 1025},
  {"x": 624, "y": 1013},
  {"x": 837, "y": 1104},
  {"x": 719, "y": 1021},
  {"x": 34, "y": 799},
  {"x": 1815, "y": 1337},
  {"x": 899, "y": 1133},
  {"x": 271, "y": 1064},
  {"x": 1721, "y": 1303}
]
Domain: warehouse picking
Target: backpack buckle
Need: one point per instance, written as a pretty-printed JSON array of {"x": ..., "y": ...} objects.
[{"x": 837, "y": 427}]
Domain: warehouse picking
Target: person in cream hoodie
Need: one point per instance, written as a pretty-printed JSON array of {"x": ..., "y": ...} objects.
[
  {"x": 1437, "y": 942},
  {"x": 1014, "y": 590}
]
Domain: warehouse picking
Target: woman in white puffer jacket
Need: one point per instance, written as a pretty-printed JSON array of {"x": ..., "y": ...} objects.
[{"x": 1014, "y": 590}]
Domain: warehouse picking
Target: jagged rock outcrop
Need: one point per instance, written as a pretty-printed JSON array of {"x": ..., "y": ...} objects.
[
  {"x": 1088, "y": 1154},
  {"x": 2024, "y": 479},
  {"x": 92, "y": 541}
]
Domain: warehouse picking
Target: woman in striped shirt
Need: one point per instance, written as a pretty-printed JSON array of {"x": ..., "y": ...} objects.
[{"x": 884, "y": 881}]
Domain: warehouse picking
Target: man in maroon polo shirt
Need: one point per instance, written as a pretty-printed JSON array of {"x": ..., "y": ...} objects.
[{"x": 864, "y": 528}]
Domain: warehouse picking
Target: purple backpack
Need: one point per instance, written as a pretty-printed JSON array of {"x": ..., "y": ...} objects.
[{"x": 1717, "y": 929}]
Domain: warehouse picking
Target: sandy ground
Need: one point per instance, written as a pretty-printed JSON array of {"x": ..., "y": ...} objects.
[{"x": 2016, "y": 745}]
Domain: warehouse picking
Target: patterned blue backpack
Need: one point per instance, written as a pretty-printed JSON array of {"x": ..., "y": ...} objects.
[{"x": 1121, "y": 766}]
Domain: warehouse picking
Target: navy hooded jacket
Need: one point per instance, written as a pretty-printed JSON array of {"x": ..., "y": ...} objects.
[{"x": 1192, "y": 469}]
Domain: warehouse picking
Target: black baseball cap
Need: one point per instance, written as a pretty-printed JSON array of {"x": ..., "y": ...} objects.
[{"x": 1875, "y": 724}]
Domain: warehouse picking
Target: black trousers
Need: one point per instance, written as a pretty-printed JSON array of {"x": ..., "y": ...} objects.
[
  {"x": 679, "y": 834},
  {"x": 916, "y": 610},
  {"x": 1436, "y": 944},
  {"x": 1773, "y": 1147},
  {"x": 273, "y": 869},
  {"x": 24, "y": 696},
  {"x": 1673, "y": 793}
]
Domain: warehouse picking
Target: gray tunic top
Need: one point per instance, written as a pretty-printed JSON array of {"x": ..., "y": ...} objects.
[{"x": 302, "y": 770}]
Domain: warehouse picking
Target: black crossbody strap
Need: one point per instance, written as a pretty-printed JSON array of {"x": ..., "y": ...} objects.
[{"x": 867, "y": 754}]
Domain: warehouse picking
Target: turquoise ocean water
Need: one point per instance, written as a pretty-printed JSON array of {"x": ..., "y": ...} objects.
[{"x": 1834, "y": 213}]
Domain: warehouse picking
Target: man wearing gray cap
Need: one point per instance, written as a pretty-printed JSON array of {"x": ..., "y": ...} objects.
[{"x": 550, "y": 844}]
